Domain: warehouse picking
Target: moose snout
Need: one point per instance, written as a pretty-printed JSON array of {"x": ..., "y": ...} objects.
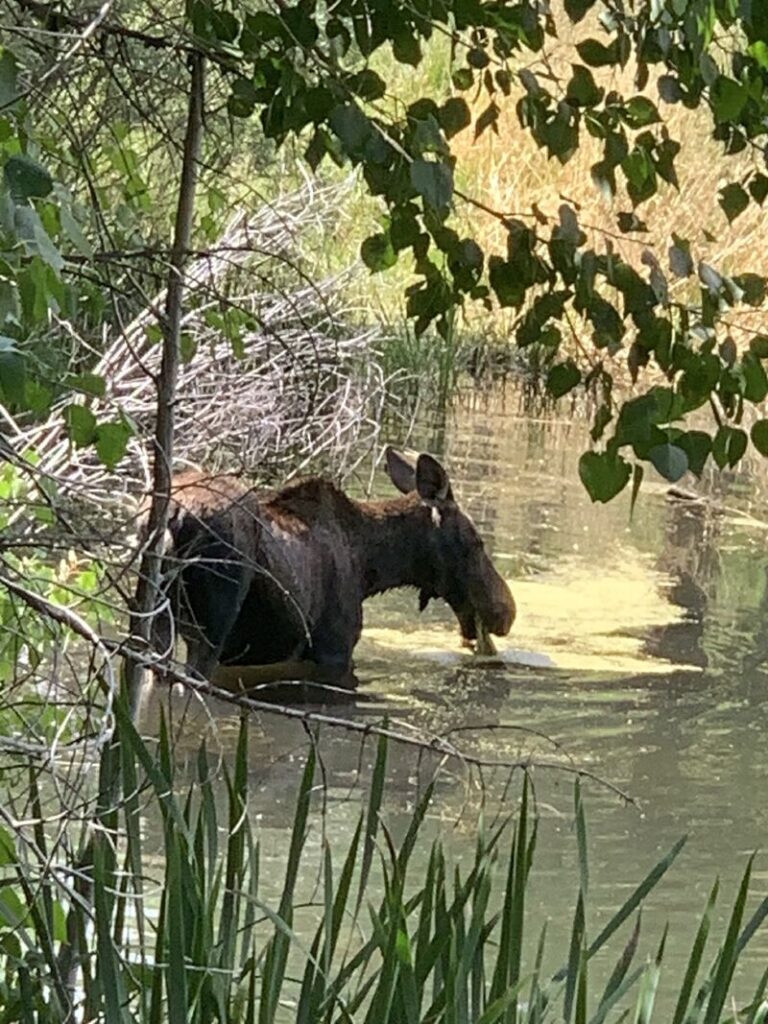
[
  {"x": 500, "y": 611},
  {"x": 504, "y": 616}
]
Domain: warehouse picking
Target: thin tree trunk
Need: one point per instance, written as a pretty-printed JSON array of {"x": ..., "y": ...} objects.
[{"x": 145, "y": 600}]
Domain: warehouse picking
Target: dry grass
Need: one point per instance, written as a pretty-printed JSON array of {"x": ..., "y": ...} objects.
[{"x": 508, "y": 172}]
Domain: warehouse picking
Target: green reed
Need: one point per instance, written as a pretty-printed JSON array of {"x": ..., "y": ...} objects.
[{"x": 437, "y": 945}]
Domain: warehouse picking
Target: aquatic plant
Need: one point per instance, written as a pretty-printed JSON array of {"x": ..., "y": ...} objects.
[{"x": 108, "y": 931}]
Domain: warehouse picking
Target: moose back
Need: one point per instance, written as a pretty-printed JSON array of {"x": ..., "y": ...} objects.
[{"x": 254, "y": 579}]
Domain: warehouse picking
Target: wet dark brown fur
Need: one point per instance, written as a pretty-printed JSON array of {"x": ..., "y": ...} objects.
[{"x": 255, "y": 578}]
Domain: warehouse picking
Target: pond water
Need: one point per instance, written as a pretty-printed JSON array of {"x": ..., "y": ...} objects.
[{"x": 638, "y": 653}]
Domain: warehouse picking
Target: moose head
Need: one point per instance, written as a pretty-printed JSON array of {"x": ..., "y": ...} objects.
[{"x": 457, "y": 566}]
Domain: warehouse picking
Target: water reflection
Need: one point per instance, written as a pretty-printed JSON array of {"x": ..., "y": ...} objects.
[
  {"x": 640, "y": 648},
  {"x": 687, "y": 557}
]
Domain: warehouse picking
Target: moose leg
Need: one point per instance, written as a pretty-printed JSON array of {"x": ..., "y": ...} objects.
[
  {"x": 333, "y": 640},
  {"x": 166, "y": 614},
  {"x": 213, "y": 596}
]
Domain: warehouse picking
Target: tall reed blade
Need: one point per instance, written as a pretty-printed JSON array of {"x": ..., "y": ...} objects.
[
  {"x": 277, "y": 953},
  {"x": 728, "y": 954},
  {"x": 694, "y": 960}
]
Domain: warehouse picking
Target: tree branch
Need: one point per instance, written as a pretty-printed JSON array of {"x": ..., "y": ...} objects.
[{"x": 149, "y": 572}]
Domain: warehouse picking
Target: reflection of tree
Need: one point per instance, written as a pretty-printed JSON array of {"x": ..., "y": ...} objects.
[
  {"x": 717, "y": 575},
  {"x": 689, "y": 558}
]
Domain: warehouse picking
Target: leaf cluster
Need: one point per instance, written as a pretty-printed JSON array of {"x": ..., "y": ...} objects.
[{"x": 315, "y": 77}]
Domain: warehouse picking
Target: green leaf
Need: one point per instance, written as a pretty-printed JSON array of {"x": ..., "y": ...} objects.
[
  {"x": 367, "y": 85},
  {"x": 670, "y": 89},
  {"x": 74, "y": 232},
  {"x": 603, "y": 417},
  {"x": 710, "y": 278},
  {"x": 759, "y": 50},
  {"x": 639, "y": 112},
  {"x": 81, "y": 425},
  {"x": 243, "y": 99},
  {"x": 758, "y": 346},
  {"x": 261, "y": 27},
  {"x": 7, "y": 848},
  {"x": 603, "y": 474},
  {"x": 463, "y": 79},
  {"x": 188, "y": 346},
  {"x": 13, "y": 913},
  {"x": 454, "y": 116},
  {"x": 639, "y": 416},
  {"x": 596, "y": 54},
  {"x": 26, "y": 178},
  {"x": 36, "y": 239},
  {"x": 629, "y": 221},
  {"x": 562, "y": 378},
  {"x": 433, "y": 181},
  {"x": 111, "y": 442},
  {"x": 758, "y": 188},
  {"x": 9, "y": 89},
  {"x": 406, "y": 48},
  {"x": 670, "y": 461},
  {"x": 733, "y": 200},
  {"x": 755, "y": 379},
  {"x": 477, "y": 58},
  {"x": 697, "y": 446},
  {"x": 680, "y": 261},
  {"x": 729, "y": 445},
  {"x": 582, "y": 89},
  {"x": 505, "y": 281},
  {"x": 752, "y": 287},
  {"x": 88, "y": 383},
  {"x": 13, "y": 372},
  {"x": 377, "y": 252},
  {"x": 759, "y": 436},
  {"x": 641, "y": 175},
  {"x": 488, "y": 119},
  {"x": 428, "y": 138},
  {"x": 637, "y": 478},
  {"x": 223, "y": 25},
  {"x": 576, "y": 9},
  {"x": 352, "y": 127},
  {"x": 728, "y": 99}
]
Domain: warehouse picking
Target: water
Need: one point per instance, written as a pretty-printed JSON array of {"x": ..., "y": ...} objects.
[{"x": 637, "y": 654}]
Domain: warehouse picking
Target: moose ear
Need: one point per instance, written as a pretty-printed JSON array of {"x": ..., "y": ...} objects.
[
  {"x": 401, "y": 472},
  {"x": 432, "y": 481}
]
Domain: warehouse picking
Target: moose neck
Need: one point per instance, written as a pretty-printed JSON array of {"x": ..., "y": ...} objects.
[{"x": 393, "y": 544}]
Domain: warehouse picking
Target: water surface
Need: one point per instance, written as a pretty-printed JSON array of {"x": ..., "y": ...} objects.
[{"x": 638, "y": 653}]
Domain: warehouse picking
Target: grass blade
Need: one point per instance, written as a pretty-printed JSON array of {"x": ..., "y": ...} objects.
[
  {"x": 581, "y": 837},
  {"x": 647, "y": 997},
  {"x": 649, "y": 882},
  {"x": 616, "y": 980},
  {"x": 277, "y": 953},
  {"x": 372, "y": 817},
  {"x": 574, "y": 959},
  {"x": 694, "y": 961},
  {"x": 758, "y": 1010},
  {"x": 727, "y": 959}
]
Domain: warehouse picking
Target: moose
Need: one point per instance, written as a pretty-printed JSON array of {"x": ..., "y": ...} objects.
[{"x": 254, "y": 579}]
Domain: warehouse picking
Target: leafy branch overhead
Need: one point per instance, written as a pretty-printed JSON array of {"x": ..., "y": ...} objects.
[{"x": 304, "y": 71}]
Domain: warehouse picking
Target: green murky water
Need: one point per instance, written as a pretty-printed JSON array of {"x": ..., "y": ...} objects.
[{"x": 637, "y": 653}]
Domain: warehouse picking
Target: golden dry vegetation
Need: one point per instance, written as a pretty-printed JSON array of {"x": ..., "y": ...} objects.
[{"x": 507, "y": 172}]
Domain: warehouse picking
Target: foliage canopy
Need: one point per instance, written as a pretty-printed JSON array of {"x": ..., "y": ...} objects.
[{"x": 318, "y": 73}]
